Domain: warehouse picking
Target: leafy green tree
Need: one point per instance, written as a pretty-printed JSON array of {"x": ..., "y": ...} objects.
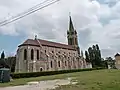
[
  {"x": 98, "y": 56},
  {"x": 97, "y": 47},
  {"x": 87, "y": 57},
  {"x": 104, "y": 64},
  {"x": 110, "y": 62},
  {"x": 91, "y": 56},
  {"x": 11, "y": 62},
  {"x": 2, "y": 55},
  {"x": 2, "y": 60},
  {"x": 95, "y": 55}
]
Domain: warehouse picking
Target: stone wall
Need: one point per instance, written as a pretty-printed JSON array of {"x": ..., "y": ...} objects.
[{"x": 60, "y": 59}]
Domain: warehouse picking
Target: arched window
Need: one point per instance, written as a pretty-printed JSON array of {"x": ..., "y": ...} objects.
[
  {"x": 51, "y": 64},
  {"x": 41, "y": 69},
  {"x": 45, "y": 51},
  {"x": 32, "y": 54},
  {"x": 25, "y": 54},
  {"x": 58, "y": 63},
  {"x": 37, "y": 54}
]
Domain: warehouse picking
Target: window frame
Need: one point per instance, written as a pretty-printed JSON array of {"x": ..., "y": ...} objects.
[{"x": 32, "y": 54}]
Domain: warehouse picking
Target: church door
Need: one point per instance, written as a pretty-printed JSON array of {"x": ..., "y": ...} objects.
[{"x": 41, "y": 69}]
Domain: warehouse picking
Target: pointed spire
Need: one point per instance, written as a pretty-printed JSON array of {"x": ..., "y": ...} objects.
[
  {"x": 35, "y": 37},
  {"x": 71, "y": 27}
]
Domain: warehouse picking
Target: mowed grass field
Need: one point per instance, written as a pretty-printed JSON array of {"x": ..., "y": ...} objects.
[
  {"x": 88, "y": 80},
  {"x": 95, "y": 80}
]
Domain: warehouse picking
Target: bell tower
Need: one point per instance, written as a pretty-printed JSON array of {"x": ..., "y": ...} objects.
[{"x": 72, "y": 35}]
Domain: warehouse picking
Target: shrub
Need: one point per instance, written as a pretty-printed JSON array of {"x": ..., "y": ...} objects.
[{"x": 46, "y": 73}]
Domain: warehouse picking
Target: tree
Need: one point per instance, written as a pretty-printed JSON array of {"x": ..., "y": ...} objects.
[
  {"x": 2, "y": 55},
  {"x": 11, "y": 61},
  {"x": 91, "y": 57},
  {"x": 104, "y": 64},
  {"x": 2, "y": 60},
  {"x": 109, "y": 58},
  {"x": 97, "y": 47},
  {"x": 95, "y": 55},
  {"x": 98, "y": 55},
  {"x": 110, "y": 62},
  {"x": 87, "y": 57}
]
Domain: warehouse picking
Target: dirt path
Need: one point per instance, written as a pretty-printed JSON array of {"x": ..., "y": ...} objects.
[{"x": 42, "y": 85}]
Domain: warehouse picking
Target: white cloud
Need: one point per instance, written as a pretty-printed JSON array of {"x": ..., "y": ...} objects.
[{"x": 95, "y": 22}]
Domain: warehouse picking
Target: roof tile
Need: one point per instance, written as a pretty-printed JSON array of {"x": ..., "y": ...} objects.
[{"x": 46, "y": 43}]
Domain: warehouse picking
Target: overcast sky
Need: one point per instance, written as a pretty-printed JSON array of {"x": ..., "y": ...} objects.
[{"x": 96, "y": 21}]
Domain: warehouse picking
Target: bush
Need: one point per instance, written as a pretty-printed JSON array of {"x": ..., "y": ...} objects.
[{"x": 46, "y": 73}]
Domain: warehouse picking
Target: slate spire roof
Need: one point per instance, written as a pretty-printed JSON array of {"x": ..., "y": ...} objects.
[{"x": 71, "y": 26}]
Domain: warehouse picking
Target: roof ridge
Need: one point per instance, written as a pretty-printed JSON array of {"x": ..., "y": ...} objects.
[
  {"x": 54, "y": 42},
  {"x": 43, "y": 42}
]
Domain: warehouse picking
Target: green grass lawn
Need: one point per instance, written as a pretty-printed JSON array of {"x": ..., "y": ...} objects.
[{"x": 89, "y": 80}]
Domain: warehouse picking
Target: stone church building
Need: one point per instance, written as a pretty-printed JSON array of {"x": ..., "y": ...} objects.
[{"x": 36, "y": 55}]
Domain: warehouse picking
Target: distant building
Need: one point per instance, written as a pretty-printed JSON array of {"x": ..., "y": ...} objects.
[
  {"x": 117, "y": 61},
  {"x": 36, "y": 55}
]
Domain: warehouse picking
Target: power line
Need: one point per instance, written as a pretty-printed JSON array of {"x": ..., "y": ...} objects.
[
  {"x": 30, "y": 11},
  {"x": 24, "y": 12}
]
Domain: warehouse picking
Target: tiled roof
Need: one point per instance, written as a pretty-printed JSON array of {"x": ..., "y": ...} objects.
[
  {"x": 117, "y": 55},
  {"x": 34, "y": 42}
]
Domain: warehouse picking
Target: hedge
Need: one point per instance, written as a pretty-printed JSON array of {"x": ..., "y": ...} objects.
[{"x": 46, "y": 73}]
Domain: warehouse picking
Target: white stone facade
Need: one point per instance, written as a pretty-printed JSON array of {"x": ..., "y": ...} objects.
[{"x": 50, "y": 59}]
